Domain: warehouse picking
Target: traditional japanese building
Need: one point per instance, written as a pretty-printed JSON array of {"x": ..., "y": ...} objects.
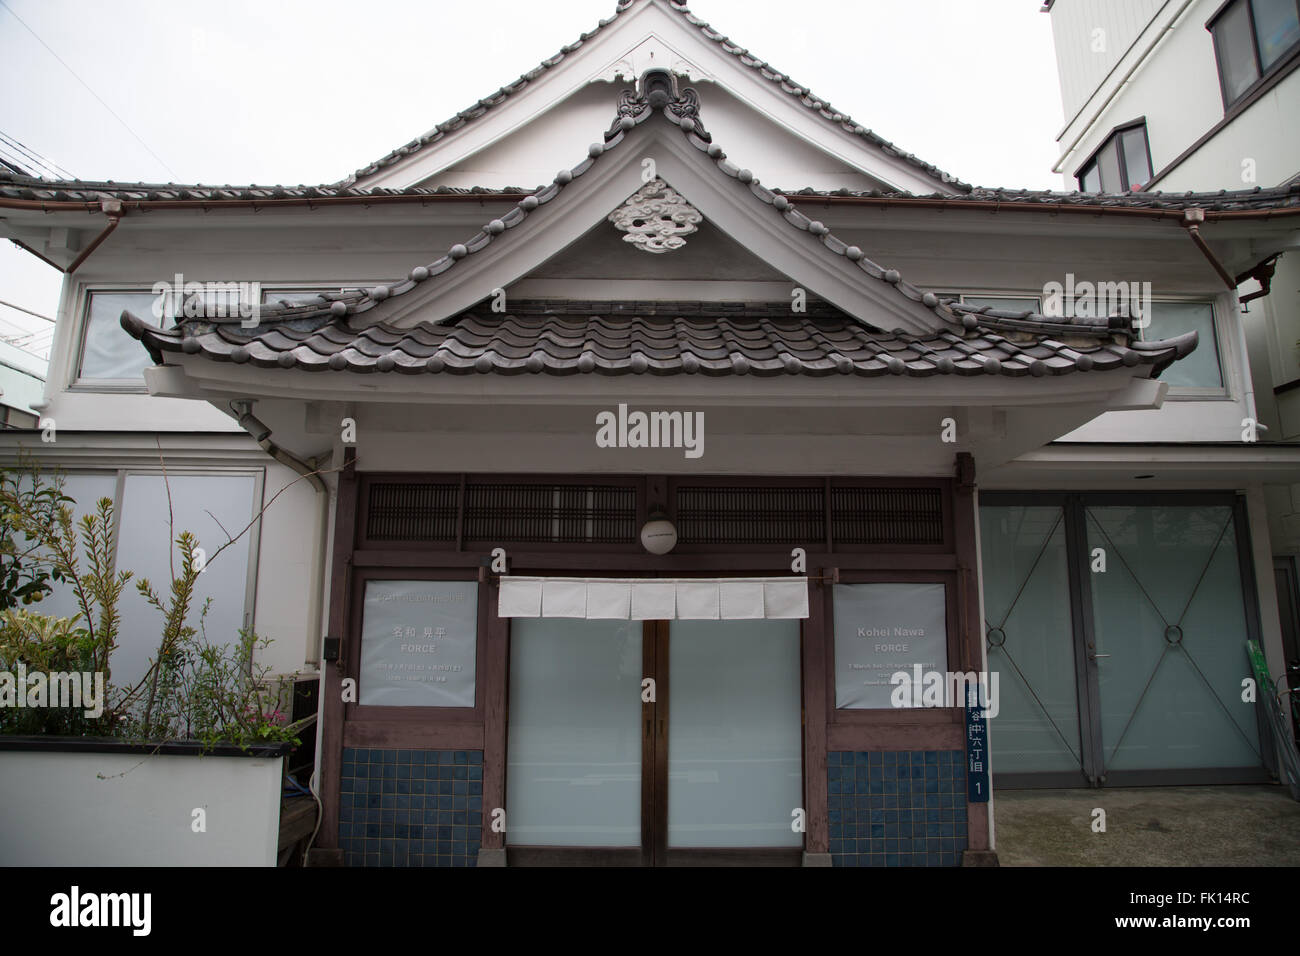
[{"x": 634, "y": 491}]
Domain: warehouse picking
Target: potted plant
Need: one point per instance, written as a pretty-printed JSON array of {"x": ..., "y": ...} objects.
[{"x": 183, "y": 766}]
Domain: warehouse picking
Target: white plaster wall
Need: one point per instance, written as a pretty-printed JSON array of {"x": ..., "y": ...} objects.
[
  {"x": 1176, "y": 88},
  {"x": 1082, "y": 66},
  {"x": 288, "y": 581},
  {"x": 1266, "y": 133},
  {"x": 59, "y": 812},
  {"x": 533, "y": 154}
]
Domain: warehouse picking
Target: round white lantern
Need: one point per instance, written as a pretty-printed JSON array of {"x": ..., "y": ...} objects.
[{"x": 658, "y": 536}]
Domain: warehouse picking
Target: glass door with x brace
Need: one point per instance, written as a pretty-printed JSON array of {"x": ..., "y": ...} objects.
[{"x": 1117, "y": 625}]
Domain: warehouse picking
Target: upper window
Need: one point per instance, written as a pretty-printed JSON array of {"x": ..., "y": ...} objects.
[
  {"x": 110, "y": 358},
  {"x": 1200, "y": 370},
  {"x": 1250, "y": 38},
  {"x": 108, "y": 353},
  {"x": 1122, "y": 164},
  {"x": 1012, "y": 303},
  {"x": 1198, "y": 375}
]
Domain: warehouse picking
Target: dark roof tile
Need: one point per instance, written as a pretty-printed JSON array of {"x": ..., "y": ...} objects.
[{"x": 547, "y": 338}]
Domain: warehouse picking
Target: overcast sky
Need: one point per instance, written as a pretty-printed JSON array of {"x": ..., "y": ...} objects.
[{"x": 306, "y": 91}]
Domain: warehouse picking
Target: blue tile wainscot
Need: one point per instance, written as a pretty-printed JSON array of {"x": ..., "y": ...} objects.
[
  {"x": 411, "y": 807},
  {"x": 897, "y": 808}
]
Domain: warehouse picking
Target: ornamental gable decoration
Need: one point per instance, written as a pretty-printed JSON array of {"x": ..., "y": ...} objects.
[{"x": 656, "y": 218}]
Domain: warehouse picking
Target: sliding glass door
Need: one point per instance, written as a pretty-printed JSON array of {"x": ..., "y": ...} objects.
[
  {"x": 1117, "y": 625},
  {"x": 666, "y": 743},
  {"x": 734, "y": 748},
  {"x": 574, "y": 753}
]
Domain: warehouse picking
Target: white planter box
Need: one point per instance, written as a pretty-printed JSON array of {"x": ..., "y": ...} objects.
[{"x": 86, "y": 803}]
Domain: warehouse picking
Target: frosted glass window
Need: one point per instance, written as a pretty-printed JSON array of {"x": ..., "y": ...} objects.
[
  {"x": 1171, "y": 319},
  {"x": 734, "y": 758},
  {"x": 85, "y": 490},
  {"x": 1010, "y": 303},
  {"x": 1170, "y": 615},
  {"x": 203, "y": 505},
  {"x": 574, "y": 749},
  {"x": 108, "y": 353},
  {"x": 1030, "y": 638},
  {"x": 419, "y": 643}
]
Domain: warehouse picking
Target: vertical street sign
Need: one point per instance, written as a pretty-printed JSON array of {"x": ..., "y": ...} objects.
[{"x": 977, "y": 758}]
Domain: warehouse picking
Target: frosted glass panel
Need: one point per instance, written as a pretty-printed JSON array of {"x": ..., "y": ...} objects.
[
  {"x": 1171, "y": 700},
  {"x": 574, "y": 765},
  {"x": 1030, "y": 640},
  {"x": 85, "y": 490},
  {"x": 1010, "y": 303},
  {"x": 1171, "y": 319},
  {"x": 734, "y": 771},
  {"x": 108, "y": 351},
  {"x": 202, "y": 505}
]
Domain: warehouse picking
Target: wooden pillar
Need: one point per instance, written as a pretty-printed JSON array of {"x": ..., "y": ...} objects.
[
  {"x": 331, "y": 704},
  {"x": 965, "y": 522},
  {"x": 815, "y": 629},
  {"x": 495, "y": 701}
]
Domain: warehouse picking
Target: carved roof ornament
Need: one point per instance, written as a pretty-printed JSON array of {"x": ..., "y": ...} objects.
[
  {"x": 658, "y": 90},
  {"x": 656, "y": 218}
]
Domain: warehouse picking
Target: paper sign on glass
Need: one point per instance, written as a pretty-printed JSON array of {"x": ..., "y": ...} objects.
[{"x": 419, "y": 642}]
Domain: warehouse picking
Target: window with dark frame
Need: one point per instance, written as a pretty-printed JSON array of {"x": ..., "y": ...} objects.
[
  {"x": 1121, "y": 164},
  {"x": 1251, "y": 39}
]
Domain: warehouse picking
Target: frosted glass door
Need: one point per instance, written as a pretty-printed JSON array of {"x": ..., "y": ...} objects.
[
  {"x": 1030, "y": 638},
  {"x": 574, "y": 766},
  {"x": 734, "y": 759},
  {"x": 1170, "y": 623}
]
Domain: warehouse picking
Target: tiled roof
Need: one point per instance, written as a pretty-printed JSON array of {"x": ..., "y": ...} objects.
[
  {"x": 36, "y": 189},
  {"x": 766, "y": 70},
  {"x": 1256, "y": 198},
  {"x": 718, "y": 339},
  {"x": 633, "y": 112},
  {"x": 13, "y": 186}
]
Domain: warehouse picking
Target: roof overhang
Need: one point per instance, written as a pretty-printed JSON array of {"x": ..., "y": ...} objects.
[{"x": 539, "y": 423}]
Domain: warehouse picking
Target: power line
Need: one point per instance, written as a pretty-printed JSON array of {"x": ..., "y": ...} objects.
[
  {"x": 32, "y": 156},
  {"x": 28, "y": 311},
  {"x": 88, "y": 89}
]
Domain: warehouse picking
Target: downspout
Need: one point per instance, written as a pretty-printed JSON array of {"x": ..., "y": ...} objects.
[
  {"x": 1192, "y": 218},
  {"x": 243, "y": 412},
  {"x": 111, "y": 208}
]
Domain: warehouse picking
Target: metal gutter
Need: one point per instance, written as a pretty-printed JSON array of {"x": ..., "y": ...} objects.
[{"x": 980, "y": 205}]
